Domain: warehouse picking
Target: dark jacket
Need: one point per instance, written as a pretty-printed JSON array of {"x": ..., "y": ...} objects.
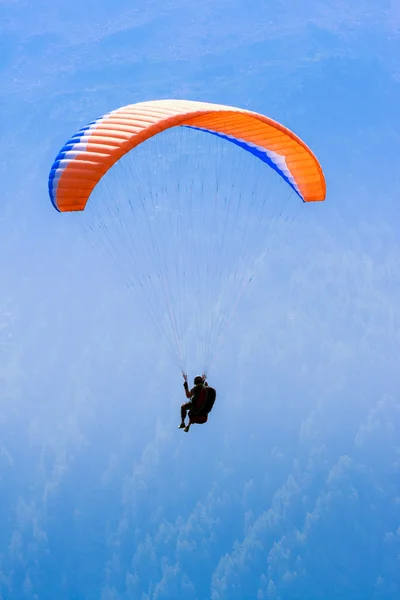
[{"x": 194, "y": 393}]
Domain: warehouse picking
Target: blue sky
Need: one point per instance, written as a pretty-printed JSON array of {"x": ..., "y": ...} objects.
[{"x": 292, "y": 490}]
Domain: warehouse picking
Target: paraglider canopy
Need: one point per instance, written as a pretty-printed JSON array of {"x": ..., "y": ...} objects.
[
  {"x": 88, "y": 155},
  {"x": 179, "y": 199}
]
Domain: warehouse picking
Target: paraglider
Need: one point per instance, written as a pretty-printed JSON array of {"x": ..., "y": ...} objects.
[
  {"x": 201, "y": 401},
  {"x": 180, "y": 200}
]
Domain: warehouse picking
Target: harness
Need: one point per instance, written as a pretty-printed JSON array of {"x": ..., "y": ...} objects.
[{"x": 202, "y": 405}]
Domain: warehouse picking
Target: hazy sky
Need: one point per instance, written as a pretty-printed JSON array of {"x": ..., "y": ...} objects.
[{"x": 291, "y": 491}]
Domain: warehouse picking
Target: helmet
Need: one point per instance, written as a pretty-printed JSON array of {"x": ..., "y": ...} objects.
[{"x": 198, "y": 380}]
